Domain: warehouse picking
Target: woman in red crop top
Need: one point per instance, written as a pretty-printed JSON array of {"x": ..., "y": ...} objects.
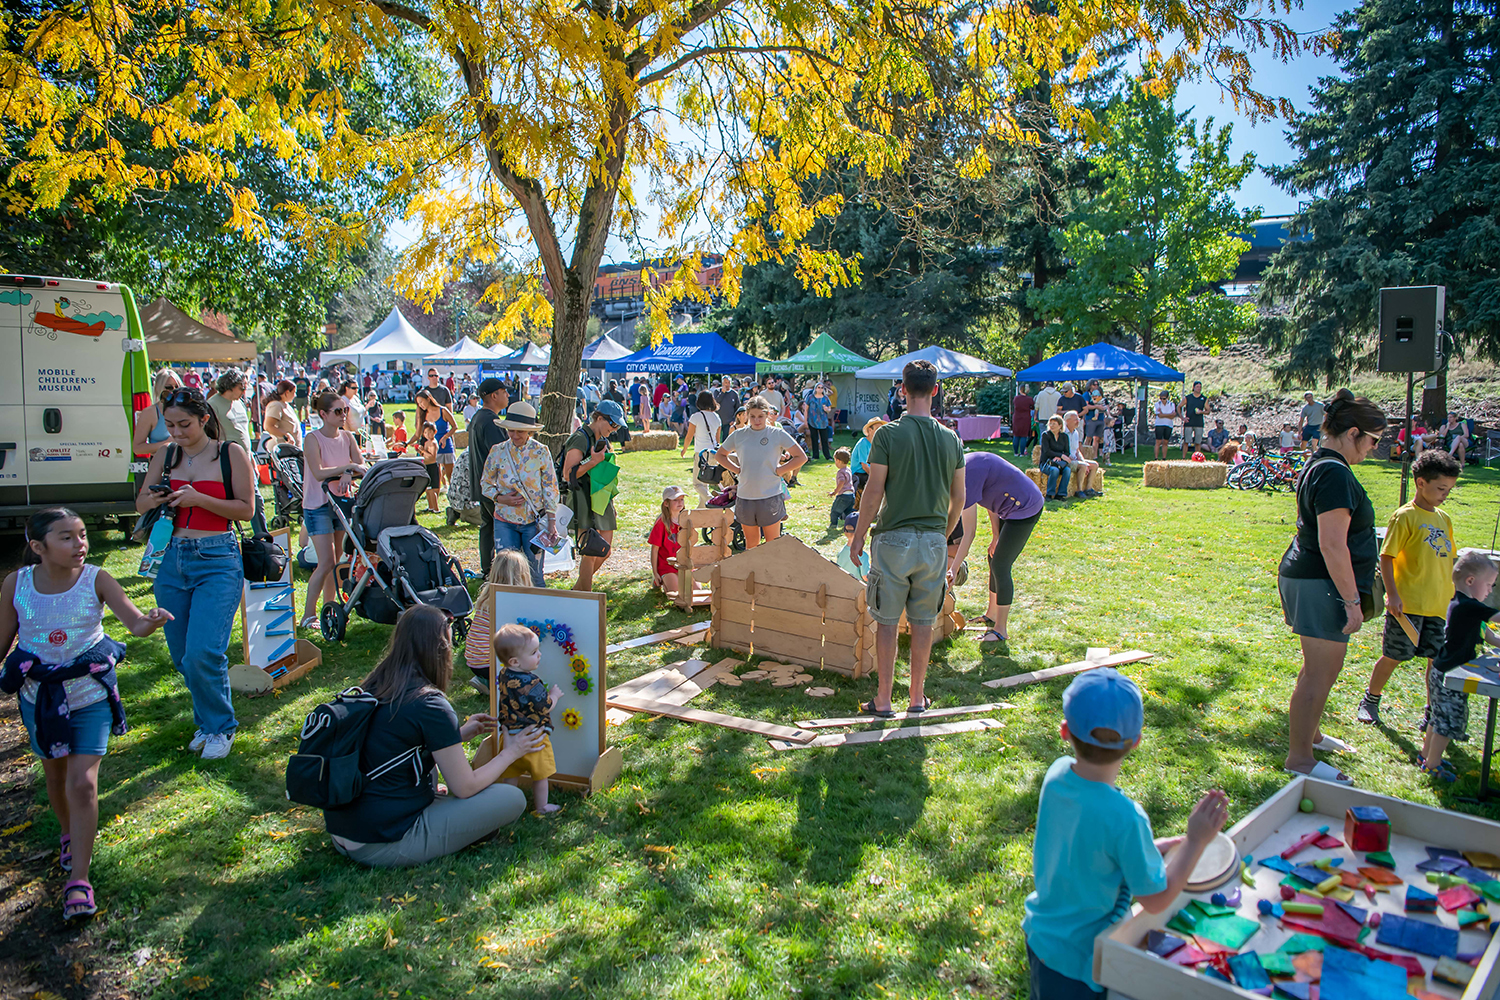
[{"x": 201, "y": 576}]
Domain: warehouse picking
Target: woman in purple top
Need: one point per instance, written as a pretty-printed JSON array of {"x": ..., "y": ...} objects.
[{"x": 1014, "y": 504}]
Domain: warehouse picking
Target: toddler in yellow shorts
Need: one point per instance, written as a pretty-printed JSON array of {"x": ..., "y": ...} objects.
[{"x": 525, "y": 701}]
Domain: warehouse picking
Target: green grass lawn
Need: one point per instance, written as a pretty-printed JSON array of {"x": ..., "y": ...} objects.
[{"x": 716, "y": 867}]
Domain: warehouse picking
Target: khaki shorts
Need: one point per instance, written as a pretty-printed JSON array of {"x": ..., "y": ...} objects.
[{"x": 908, "y": 572}]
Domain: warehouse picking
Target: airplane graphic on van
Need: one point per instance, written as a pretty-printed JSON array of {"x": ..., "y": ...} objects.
[{"x": 90, "y": 324}]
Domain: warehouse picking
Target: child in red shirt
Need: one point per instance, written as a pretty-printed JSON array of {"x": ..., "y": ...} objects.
[{"x": 664, "y": 544}]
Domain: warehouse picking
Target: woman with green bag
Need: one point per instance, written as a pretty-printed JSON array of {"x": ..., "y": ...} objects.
[{"x": 590, "y": 495}]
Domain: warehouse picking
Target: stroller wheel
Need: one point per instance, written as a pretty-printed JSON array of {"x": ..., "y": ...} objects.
[
  {"x": 460, "y": 629},
  {"x": 333, "y": 621},
  {"x": 278, "y": 522}
]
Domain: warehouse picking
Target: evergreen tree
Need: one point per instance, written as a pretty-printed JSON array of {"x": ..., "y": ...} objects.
[
  {"x": 1149, "y": 253},
  {"x": 1400, "y": 162}
]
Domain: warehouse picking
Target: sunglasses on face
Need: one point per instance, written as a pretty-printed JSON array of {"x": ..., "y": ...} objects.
[{"x": 338, "y": 410}]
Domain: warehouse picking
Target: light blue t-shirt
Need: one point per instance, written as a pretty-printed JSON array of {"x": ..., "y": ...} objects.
[
  {"x": 859, "y": 454},
  {"x": 845, "y": 562},
  {"x": 1093, "y": 852}
]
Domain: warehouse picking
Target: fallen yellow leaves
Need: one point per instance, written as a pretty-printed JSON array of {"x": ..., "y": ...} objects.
[{"x": 9, "y": 831}]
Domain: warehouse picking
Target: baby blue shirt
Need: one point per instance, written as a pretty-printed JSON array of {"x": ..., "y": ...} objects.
[{"x": 1093, "y": 852}]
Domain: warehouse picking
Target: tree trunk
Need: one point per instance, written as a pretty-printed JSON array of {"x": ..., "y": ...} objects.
[
  {"x": 570, "y": 321},
  {"x": 1143, "y": 406}
]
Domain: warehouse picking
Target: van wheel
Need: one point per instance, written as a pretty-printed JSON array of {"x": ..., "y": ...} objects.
[{"x": 333, "y": 621}]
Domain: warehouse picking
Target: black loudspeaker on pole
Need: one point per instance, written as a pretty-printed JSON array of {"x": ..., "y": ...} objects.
[{"x": 1411, "y": 340}]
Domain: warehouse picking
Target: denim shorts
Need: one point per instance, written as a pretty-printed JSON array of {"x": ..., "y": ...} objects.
[
  {"x": 320, "y": 520},
  {"x": 90, "y": 727},
  {"x": 908, "y": 572}
]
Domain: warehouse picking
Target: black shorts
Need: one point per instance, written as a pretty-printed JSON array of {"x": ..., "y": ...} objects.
[
  {"x": 1163, "y": 433},
  {"x": 1395, "y": 644}
]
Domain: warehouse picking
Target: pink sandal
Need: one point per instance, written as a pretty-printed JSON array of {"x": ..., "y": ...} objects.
[
  {"x": 65, "y": 855},
  {"x": 78, "y": 906}
]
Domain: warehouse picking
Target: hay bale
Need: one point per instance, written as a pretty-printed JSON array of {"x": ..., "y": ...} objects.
[
  {"x": 652, "y": 441},
  {"x": 1184, "y": 475}
]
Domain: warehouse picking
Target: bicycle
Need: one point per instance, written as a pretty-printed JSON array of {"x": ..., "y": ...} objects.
[{"x": 1277, "y": 473}]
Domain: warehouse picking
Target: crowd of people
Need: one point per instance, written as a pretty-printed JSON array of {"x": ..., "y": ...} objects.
[{"x": 906, "y": 496}]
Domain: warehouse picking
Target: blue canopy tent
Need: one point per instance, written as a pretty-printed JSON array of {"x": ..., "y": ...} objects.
[
  {"x": 1105, "y": 362},
  {"x": 689, "y": 353}
]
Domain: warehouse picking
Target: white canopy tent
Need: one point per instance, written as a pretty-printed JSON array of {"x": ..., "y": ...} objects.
[
  {"x": 949, "y": 364},
  {"x": 464, "y": 353},
  {"x": 393, "y": 340}
]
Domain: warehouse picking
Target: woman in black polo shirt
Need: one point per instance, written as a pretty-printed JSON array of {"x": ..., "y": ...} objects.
[
  {"x": 400, "y": 819},
  {"x": 1327, "y": 576}
]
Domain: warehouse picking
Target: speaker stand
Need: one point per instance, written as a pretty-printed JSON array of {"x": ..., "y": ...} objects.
[{"x": 1406, "y": 452}]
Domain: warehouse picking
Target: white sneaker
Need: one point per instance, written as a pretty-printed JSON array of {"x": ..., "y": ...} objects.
[
  {"x": 216, "y": 747},
  {"x": 196, "y": 746}
]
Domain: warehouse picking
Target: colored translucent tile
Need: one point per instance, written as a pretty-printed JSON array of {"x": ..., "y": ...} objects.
[
  {"x": 1381, "y": 876},
  {"x": 1351, "y": 880},
  {"x": 1297, "y": 991},
  {"x": 1309, "y": 966},
  {"x": 1348, "y": 975},
  {"x": 1247, "y": 971},
  {"x": 1457, "y": 897},
  {"x": 1467, "y": 918},
  {"x": 1187, "y": 955},
  {"x": 1419, "y": 900},
  {"x": 1473, "y": 875},
  {"x": 1210, "y": 909},
  {"x": 1369, "y": 814},
  {"x": 1277, "y": 963},
  {"x": 1341, "y": 894},
  {"x": 1381, "y": 858},
  {"x": 1213, "y": 973},
  {"x": 1183, "y": 922},
  {"x": 1232, "y": 930},
  {"x": 1439, "y": 865},
  {"x": 1328, "y": 842},
  {"x": 1482, "y": 859},
  {"x": 1310, "y": 874},
  {"x": 1210, "y": 947},
  {"x": 1443, "y": 852},
  {"x": 1419, "y": 936},
  {"x": 1354, "y": 911},
  {"x": 1277, "y": 862},
  {"x": 1333, "y": 923},
  {"x": 1298, "y": 943},
  {"x": 1162, "y": 944},
  {"x": 1452, "y": 971}
]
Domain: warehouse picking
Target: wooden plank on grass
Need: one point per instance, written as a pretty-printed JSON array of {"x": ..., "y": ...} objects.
[
  {"x": 1114, "y": 660},
  {"x": 755, "y": 726},
  {"x": 931, "y": 713},
  {"x": 667, "y": 636},
  {"x": 886, "y": 735}
]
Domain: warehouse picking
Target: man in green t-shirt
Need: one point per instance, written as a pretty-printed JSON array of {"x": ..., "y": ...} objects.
[{"x": 924, "y": 463}]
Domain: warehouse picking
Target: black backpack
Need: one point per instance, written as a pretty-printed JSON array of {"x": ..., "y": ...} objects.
[{"x": 324, "y": 772}]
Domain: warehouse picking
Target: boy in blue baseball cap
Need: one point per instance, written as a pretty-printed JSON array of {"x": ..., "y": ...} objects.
[{"x": 1093, "y": 848}]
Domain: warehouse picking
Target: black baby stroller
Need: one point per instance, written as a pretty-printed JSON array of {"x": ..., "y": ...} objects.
[
  {"x": 411, "y": 566},
  {"x": 724, "y": 499},
  {"x": 285, "y": 462}
]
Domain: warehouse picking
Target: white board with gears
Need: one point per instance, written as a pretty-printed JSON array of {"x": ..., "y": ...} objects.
[{"x": 572, "y": 629}]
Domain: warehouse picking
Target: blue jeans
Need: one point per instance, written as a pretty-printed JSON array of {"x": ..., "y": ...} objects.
[
  {"x": 1019, "y": 445},
  {"x": 1049, "y": 984},
  {"x": 200, "y": 583},
  {"x": 518, "y": 537},
  {"x": 1057, "y": 480}
]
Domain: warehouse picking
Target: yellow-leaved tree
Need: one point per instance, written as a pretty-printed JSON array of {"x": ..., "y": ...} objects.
[{"x": 567, "y": 118}]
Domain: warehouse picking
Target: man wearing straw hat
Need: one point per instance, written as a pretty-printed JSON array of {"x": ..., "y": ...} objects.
[{"x": 519, "y": 479}]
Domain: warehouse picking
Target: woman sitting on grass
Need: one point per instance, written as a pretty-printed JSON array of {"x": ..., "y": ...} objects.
[{"x": 400, "y": 820}]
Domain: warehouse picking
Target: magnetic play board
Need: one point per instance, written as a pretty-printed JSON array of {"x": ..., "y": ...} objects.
[
  {"x": 269, "y": 612},
  {"x": 578, "y": 718}
]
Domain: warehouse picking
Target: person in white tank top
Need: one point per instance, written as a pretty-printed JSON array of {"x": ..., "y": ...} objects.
[{"x": 63, "y": 668}]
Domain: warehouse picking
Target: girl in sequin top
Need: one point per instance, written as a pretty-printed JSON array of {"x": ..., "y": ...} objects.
[{"x": 63, "y": 669}]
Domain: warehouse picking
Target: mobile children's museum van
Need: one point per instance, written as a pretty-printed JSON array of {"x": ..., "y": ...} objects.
[{"x": 73, "y": 372}]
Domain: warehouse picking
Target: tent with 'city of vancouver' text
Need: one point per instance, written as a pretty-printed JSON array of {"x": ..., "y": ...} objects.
[{"x": 690, "y": 353}]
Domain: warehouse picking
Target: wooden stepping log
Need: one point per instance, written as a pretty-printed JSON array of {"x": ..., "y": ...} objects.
[
  {"x": 816, "y": 692},
  {"x": 885, "y": 735},
  {"x": 931, "y": 713},
  {"x": 1113, "y": 660},
  {"x": 755, "y": 726}
]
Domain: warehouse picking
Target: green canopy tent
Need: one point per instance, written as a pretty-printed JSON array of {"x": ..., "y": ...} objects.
[
  {"x": 826, "y": 356},
  {"x": 823, "y": 355}
]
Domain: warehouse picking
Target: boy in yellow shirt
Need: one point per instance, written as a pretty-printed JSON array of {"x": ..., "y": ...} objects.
[{"x": 1416, "y": 563}]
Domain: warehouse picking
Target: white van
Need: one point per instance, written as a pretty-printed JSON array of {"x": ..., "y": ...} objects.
[{"x": 73, "y": 372}]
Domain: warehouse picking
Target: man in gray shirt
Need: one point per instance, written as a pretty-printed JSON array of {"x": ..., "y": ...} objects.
[{"x": 1311, "y": 419}]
